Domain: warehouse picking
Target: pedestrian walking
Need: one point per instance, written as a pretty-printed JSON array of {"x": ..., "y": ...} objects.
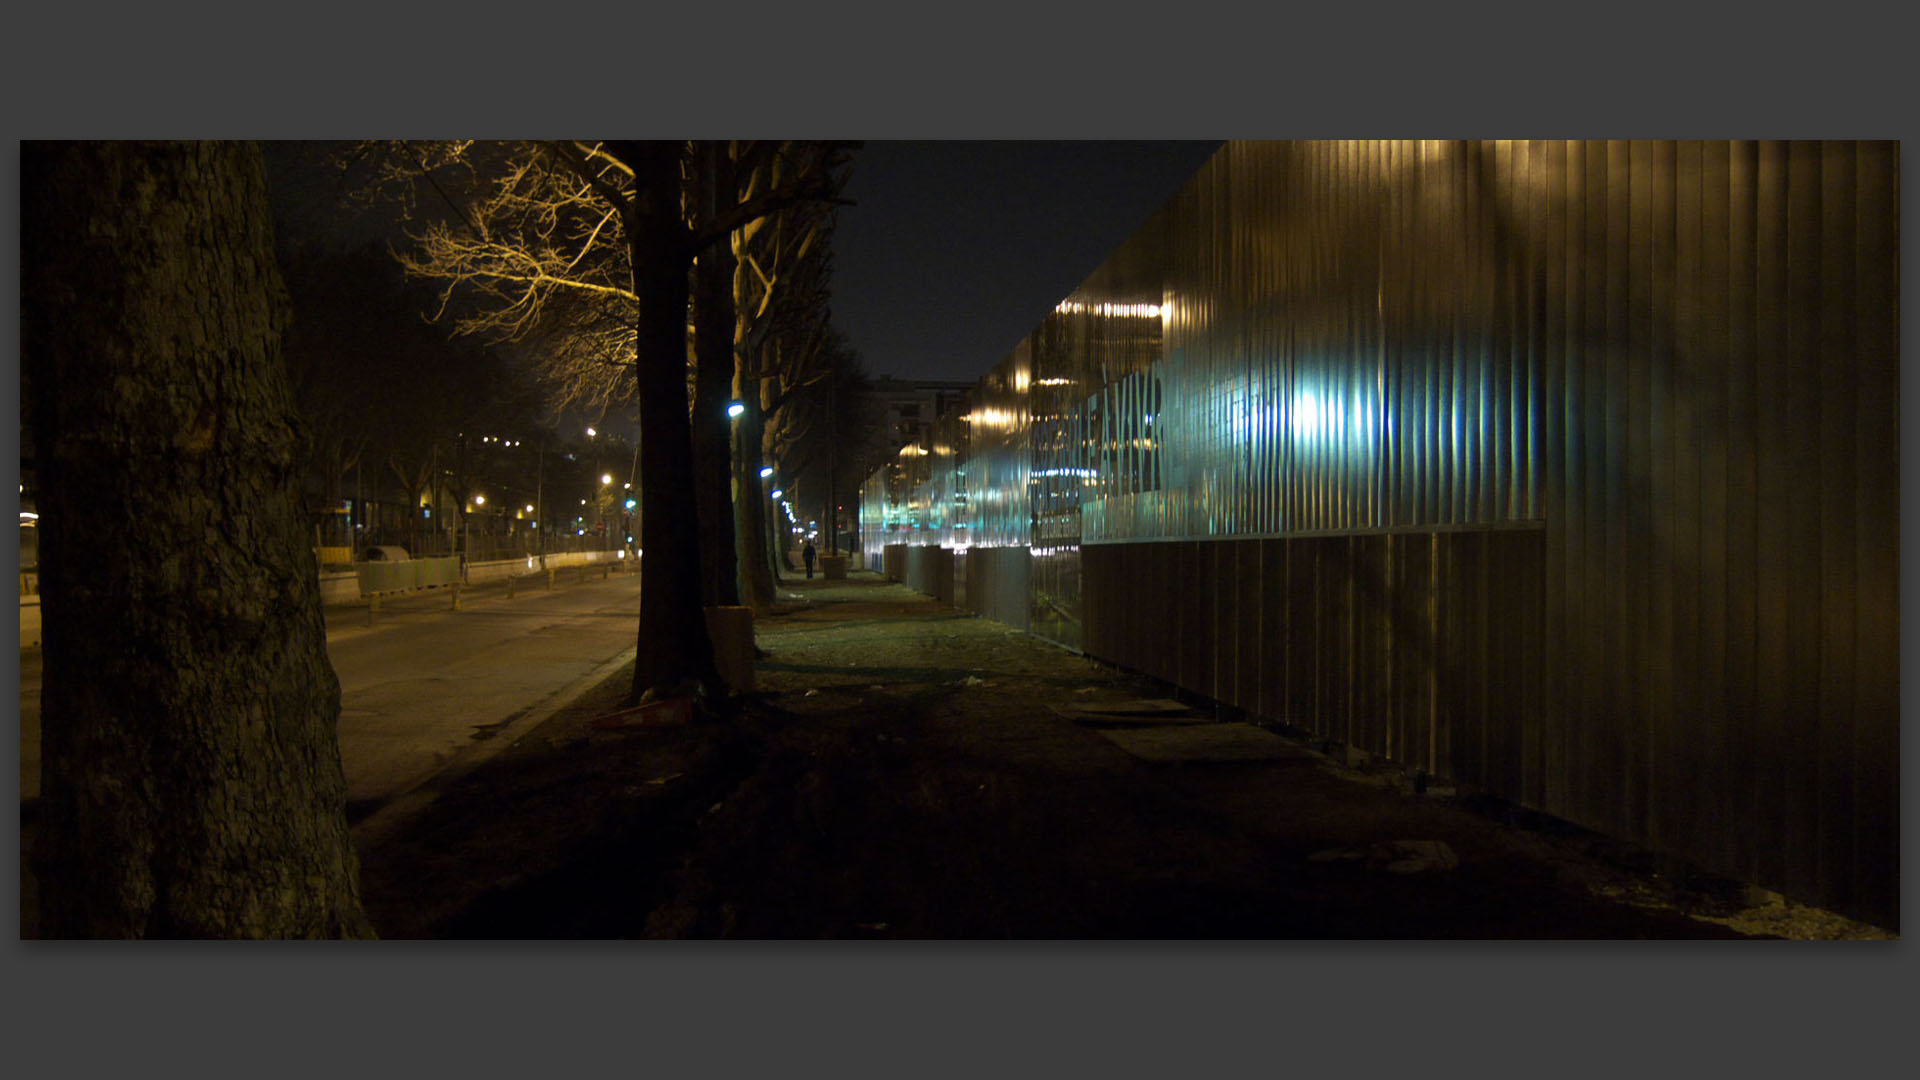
[{"x": 806, "y": 555}]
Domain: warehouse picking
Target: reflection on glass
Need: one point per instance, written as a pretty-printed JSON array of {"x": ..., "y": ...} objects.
[{"x": 1270, "y": 355}]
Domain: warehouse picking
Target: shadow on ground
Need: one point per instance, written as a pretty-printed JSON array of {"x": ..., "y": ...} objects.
[{"x": 903, "y": 773}]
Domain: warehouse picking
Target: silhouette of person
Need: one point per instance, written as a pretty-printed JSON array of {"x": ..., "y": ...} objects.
[{"x": 806, "y": 554}]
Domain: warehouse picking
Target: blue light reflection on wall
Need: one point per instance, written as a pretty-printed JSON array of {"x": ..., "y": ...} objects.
[{"x": 1263, "y": 358}]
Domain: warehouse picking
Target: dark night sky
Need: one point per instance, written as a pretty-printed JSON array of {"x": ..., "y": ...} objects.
[
  {"x": 957, "y": 249},
  {"x": 954, "y": 249}
]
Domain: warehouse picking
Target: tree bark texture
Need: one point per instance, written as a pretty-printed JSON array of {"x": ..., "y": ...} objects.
[
  {"x": 712, "y": 456},
  {"x": 191, "y": 778},
  {"x": 674, "y": 645}
]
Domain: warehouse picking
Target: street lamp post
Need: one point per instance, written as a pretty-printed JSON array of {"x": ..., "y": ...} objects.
[
  {"x": 599, "y": 495},
  {"x": 630, "y": 526},
  {"x": 466, "y": 533}
]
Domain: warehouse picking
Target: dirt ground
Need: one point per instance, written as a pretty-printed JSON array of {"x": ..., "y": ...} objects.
[{"x": 905, "y": 771}]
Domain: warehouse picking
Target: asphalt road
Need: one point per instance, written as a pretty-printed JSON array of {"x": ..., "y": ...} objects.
[{"x": 426, "y": 686}]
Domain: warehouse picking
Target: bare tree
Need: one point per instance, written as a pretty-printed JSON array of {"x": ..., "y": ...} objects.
[
  {"x": 829, "y": 431},
  {"x": 336, "y": 345},
  {"x": 779, "y": 256},
  {"x": 782, "y": 290},
  {"x": 606, "y": 226},
  {"x": 715, "y": 182},
  {"x": 191, "y": 779}
]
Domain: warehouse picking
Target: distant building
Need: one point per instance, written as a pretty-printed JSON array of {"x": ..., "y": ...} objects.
[{"x": 912, "y": 405}]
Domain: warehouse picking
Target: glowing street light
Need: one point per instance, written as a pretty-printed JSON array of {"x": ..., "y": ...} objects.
[
  {"x": 766, "y": 472},
  {"x": 777, "y": 493},
  {"x": 735, "y": 408},
  {"x": 606, "y": 478}
]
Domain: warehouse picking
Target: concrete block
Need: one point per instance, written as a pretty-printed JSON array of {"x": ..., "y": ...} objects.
[{"x": 731, "y": 629}]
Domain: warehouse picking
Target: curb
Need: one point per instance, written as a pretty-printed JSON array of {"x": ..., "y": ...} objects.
[{"x": 404, "y": 806}]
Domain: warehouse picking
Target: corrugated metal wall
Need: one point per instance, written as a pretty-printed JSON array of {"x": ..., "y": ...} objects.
[
  {"x": 1568, "y": 470},
  {"x": 1421, "y": 647}
]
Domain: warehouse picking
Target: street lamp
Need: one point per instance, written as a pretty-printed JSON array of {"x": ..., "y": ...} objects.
[{"x": 735, "y": 408}]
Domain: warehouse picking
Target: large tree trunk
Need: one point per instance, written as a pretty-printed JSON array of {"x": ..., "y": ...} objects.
[
  {"x": 191, "y": 782},
  {"x": 673, "y": 642},
  {"x": 713, "y": 320},
  {"x": 755, "y": 568}
]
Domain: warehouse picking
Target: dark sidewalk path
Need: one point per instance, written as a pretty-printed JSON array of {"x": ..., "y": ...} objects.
[{"x": 905, "y": 771}]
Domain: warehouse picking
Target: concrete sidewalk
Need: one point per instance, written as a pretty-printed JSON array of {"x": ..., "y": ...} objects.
[{"x": 909, "y": 771}]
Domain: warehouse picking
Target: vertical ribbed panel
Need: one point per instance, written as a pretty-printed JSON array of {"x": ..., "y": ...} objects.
[
  {"x": 1567, "y": 469},
  {"x": 1314, "y": 338}
]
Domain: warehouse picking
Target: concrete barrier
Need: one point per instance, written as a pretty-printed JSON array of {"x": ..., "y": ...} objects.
[
  {"x": 893, "y": 562},
  {"x": 343, "y": 587},
  {"x": 338, "y": 587},
  {"x": 379, "y": 579},
  {"x": 405, "y": 576},
  {"x": 499, "y": 569},
  {"x": 930, "y": 570}
]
